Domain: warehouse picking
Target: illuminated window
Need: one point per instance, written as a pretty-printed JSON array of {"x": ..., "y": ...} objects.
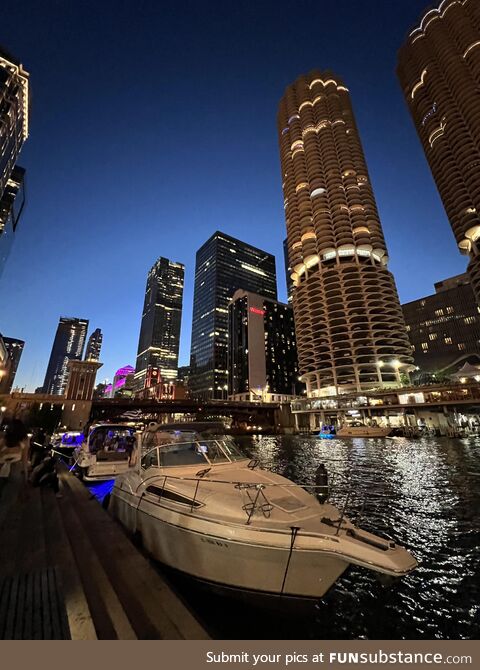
[
  {"x": 433, "y": 336},
  {"x": 408, "y": 328},
  {"x": 449, "y": 310},
  {"x": 425, "y": 346},
  {"x": 469, "y": 319},
  {"x": 461, "y": 346},
  {"x": 448, "y": 340},
  {"x": 439, "y": 312}
]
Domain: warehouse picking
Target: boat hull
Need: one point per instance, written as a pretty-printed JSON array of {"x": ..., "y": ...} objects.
[
  {"x": 363, "y": 431},
  {"x": 216, "y": 555}
]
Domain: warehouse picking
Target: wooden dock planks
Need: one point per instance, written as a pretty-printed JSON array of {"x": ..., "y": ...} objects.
[{"x": 68, "y": 571}]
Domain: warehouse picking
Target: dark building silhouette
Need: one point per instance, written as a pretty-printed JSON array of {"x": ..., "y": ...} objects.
[
  {"x": 68, "y": 345},
  {"x": 14, "y": 350},
  {"x": 262, "y": 353},
  {"x": 159, "y": 339},
  {"x": 94, "y": 346},
  {"x": 439, "y": 71},
  {"x": 350, "y": 330},
  {"x": 11, "y": 207},
  {"x": 444, "y": 328},
  {"x": 223, "y": 265}
]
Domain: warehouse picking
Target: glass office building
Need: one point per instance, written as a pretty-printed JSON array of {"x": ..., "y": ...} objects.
[
  {"x": 159, "y": 339},
  {"x": 223, "y": 265},
  {"x": 94, "y": 346},
  {"x": 68, "y": 345}
]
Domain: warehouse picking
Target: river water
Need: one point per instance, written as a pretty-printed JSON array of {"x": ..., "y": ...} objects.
[{"x": 423, "y": 493}]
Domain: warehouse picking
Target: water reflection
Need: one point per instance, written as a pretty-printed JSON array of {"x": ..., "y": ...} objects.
[{"x": 425, "y": 494}]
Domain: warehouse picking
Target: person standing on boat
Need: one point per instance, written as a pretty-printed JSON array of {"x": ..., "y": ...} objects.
[{"x": 321, "y": 483}]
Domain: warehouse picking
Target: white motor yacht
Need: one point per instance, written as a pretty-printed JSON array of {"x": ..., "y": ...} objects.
[
  {"x": 201, "y": 507},
  {"x": 108, "y": 450}
]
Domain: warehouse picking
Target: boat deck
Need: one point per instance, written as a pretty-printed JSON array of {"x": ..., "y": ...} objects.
[{"x": 68, "y": 571}]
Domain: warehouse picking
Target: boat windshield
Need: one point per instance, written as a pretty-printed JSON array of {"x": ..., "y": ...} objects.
[{"x": 196, "y": 452}]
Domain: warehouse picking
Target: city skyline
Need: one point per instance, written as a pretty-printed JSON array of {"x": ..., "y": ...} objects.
[{"x": 168, "y": 222}]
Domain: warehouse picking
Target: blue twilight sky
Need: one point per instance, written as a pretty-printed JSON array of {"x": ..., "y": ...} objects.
[{"x": 153, "y": 124}]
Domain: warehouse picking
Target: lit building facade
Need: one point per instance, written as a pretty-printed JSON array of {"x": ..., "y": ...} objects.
[
  {"x": 123, "y": 382},
  {"x": 14, "y": 107},
  {"x": 439, "y": 71},
  {"x": 350, "y": 330},
  {"x": 11, "y": 207},
  {"x": 81, "y": 379},
  {"x": 94, "y": 346},
  {"x": 262, "y": 353},
  {"x": 159, "y": 339},
  {"x": 13, "y": 351},
  {"x": 68, "y": 345},
  {"x": 444, "y": 328},
  {"x": 223, "y": 265}
]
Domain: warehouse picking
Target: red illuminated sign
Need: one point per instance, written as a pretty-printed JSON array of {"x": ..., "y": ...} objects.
[{"x": 255, "y": 310}]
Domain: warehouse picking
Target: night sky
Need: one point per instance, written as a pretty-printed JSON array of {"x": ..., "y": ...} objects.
[{"x": 153, "y": 124}]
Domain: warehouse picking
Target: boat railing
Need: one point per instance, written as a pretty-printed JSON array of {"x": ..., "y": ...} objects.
[
  {"x": 257, "y": 500},
  {"x": 255, "y": 494}
]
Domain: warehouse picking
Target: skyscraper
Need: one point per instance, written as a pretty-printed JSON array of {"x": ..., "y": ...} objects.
[
  {"x": 14, "y": 97},
  {"x": 11, "y": 206},
  {"x": 161, "y": 320},
  {"x": 14, "y": 104},
  {"x": 94, "y": 346},
  {"x": 14, "y": 349},
  {"x": 68, "y": 345},
  {"x": 223, "y": 265},
  {"x": 439, "y": 71},
  {"x": 350, "y": 330},
  {"x": 262, "y": 354}
]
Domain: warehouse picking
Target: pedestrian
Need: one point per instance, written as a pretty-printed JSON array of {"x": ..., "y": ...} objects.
[
  {"x": 45, "y": 474},
  {"x": 37, "y": 447},
  {"x": 13, "y": 449}
]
